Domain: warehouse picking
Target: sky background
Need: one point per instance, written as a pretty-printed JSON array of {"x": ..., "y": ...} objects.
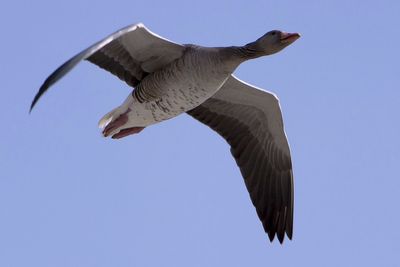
[{"x": 172, "y": 195}]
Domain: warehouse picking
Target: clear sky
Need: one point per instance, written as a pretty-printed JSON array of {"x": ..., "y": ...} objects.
[{"x": 172, "y": 195}]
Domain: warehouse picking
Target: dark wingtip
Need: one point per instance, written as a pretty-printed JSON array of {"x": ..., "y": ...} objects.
[
  {"x": 33, "y": 103},
  {"x": 289, "y": 236},
  {"x": 36, "y": 98},
  {"x": 57, "y": 74},
  {"x": 281, "y": 237},
  {"x": 271, "y": 235},
  {"x": 289, "y": 233}
]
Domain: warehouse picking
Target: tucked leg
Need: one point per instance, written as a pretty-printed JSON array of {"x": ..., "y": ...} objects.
[
  {"x": 115, "y": 124},
  {"x": 126, "y": 132}
]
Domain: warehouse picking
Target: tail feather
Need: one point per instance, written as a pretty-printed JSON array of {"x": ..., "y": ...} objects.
[
  {"x": 116, "y": 112},
  {"x": 108, "y": 118}
]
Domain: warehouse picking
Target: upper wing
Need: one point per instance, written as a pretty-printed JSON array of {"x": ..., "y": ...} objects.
[
  {"x": 250, "y": 120},
  {"x": 130, "y": 53}
]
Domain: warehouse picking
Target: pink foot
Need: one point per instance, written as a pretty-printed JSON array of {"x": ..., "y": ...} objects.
[{"x": 127, "y": 131}]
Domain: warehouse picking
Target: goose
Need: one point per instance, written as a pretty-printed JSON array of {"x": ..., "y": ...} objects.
[{"x": 169, "y": 79}]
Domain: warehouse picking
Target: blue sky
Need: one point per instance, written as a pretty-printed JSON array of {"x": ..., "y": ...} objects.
[{"x": 172, "y": 195}]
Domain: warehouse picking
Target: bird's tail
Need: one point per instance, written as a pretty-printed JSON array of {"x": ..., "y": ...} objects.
[
  {"x": 116, "y": 112},
  {"x": 109, "y": 117}
]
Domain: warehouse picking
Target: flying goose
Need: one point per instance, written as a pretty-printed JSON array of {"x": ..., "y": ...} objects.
[{"x": 170, "y": 79}]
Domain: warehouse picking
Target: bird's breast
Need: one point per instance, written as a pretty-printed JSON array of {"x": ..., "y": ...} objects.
[{"x": 181, "y": 86}]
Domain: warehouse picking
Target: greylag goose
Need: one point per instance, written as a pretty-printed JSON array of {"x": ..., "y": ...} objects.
[{"x": 170, "y": 79}]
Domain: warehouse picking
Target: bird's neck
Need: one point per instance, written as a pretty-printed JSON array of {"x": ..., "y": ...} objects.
[
  {"x": 246, "y": 52},
  {"x": 233, "y": 56}
]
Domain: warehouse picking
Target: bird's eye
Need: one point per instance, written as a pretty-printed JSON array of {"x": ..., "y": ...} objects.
[{"x": 273, "y": 33}]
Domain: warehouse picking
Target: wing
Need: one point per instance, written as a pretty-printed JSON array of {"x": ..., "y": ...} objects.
[
  {"x": 130, "y": 53},
  {"x": 250, "y": 120}
]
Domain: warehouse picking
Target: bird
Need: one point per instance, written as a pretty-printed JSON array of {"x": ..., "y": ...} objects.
[{"x": 169, "y": 79}]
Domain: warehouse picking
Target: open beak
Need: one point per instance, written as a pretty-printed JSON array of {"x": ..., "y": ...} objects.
[{"x": 288, "y": 38}]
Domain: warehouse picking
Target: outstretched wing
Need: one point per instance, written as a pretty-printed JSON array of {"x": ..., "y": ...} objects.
[
  {"x": 130, "y": 53},
  {"x": 250, "y": 120}
]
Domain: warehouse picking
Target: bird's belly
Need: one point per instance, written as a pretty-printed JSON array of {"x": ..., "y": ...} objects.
[{"x": 177, "y": 98}]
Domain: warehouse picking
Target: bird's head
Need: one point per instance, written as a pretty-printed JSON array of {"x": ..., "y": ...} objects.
[{"x": 272, "y": 42}]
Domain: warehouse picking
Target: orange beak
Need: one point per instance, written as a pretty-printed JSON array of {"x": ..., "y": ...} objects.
[{"x": 289, "y": 37}]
